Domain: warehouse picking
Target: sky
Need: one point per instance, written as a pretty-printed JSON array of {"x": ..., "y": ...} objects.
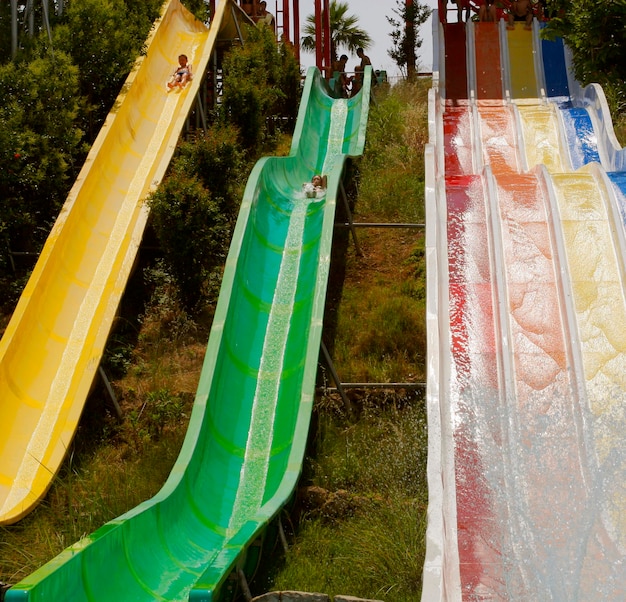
[{"x": 372, "y": 18}]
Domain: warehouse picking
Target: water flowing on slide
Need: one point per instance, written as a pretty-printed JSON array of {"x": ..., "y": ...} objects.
[{"x": 526, "y": 322}]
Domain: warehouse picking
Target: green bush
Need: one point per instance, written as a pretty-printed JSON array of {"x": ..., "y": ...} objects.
[
  {"x": 261, "y": 80},
  {"x": 195, "y": 208},
  {"x": 217, "y": 160},
  {"x": 38, "y": 142},
  {"x": 104, "y": 39},
  {"x": 194, "y": 233}
]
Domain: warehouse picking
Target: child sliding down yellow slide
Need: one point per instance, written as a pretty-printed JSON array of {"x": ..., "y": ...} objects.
[{"x": 182, "y": 74}]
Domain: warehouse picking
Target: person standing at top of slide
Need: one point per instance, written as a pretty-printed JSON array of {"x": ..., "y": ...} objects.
[
  {"x": 487, "y": 12},
  {"x": 264, "y": 16},
  {"x": 521, "y": 10},
  {"x": 357, "y": 82}
]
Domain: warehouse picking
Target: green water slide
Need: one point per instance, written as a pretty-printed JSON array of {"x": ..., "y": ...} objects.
[{"x": 243, "y": 452}]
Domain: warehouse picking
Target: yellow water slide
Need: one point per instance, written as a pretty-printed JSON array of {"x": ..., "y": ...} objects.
[{"x": 52, "y": 346}]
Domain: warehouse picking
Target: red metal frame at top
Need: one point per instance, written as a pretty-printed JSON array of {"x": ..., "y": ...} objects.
[
  {"x": 322, "y": 42},
  {"x": 289, "y": 10},
  {"x": 474, "y": 5}
]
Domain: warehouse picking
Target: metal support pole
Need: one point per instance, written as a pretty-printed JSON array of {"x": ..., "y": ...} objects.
[
  {"x": 344, "y": 197},
  {"x": 416, "y": 226},
  {"x": 111, "y": 393},
  {"x": 331, "y": 367},
  {"x": 29, "y": 20},
  {"x": 281, "y": 534},
  {"x": 411, "y": 386},
  {"x": 237, "y": 26},
  {"x": 319, "y": 49},
  {"x": 244, "y": 585},
  {"x": 13, "y": 28},
  {"x": 30, "y": 12},
  {"x": 328, "y": 57},
  {"x": 46, "y": 19},
  {"x": 200, "y": 107},
  {"x": 12, "y": 261},
  {"x": 296, "y": 29},
  {"x": 410, "y": 43},
  {"x": 214, "y": 75},
  {"x": 286, "y": 22}
]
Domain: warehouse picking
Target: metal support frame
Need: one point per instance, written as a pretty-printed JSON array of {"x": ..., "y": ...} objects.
[
  {"x": 236, "y": 22},
  {"x": 111, "y": 392},
  {"x": 344, "y": 197},
  {"x": 296, "y": 29},
  {"x": 331, "y": 367},
  {"x": 13, "y": 254},
  {"x": 201, "y": 101},
  {"x": 412, "y": 386},
  {"x": 282, "y": 536},
  {"x": 28, "y": 15},
  {"x": 243, "y": 582},
  {"x": 201, "y": 115},
  {"x": 416, "y": 226},
  {"x": 319, "y": 51},
  {"x": 341, "y": 387},
  {"x": 13, "y": 28},
  {"x": 217, "y": 82}
]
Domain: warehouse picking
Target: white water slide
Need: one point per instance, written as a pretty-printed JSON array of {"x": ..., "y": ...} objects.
[{"x": 526, "y": 319}]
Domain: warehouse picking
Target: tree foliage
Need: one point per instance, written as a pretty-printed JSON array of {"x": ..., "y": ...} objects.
[
  {"x": 193, "y": 233},
  {"x": 344, "y": 32},
  {"x": 194, "y": 210},
  {"x": 594, "y": 30},
  {"x": 39, "y": 141},
  {"x": 261, "y": 79},
  {"x": 54, "y": 95},
  {"x": 405, "y": 40},
  {"x": 104, "y": 37}
]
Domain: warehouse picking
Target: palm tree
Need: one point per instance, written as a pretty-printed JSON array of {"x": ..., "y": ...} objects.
[{"x": 343, "y": 31}]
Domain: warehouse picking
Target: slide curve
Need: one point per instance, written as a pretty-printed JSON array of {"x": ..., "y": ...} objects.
[
  {"x": 526, "y": 312},
  {"x": 53, "y": 344},
  {"x": 245, "y": 444}
]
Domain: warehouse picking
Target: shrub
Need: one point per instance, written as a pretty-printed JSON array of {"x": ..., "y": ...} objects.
[
  {"x": 261, "y": 79},
  {"x": 194, "y": 233},
  {"x": 216, "y": 159}
]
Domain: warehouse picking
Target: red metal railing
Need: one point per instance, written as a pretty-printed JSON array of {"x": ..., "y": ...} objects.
[{"x": 503, "y": 6}]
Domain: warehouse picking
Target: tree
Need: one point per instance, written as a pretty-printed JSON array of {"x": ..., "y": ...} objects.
[
  {"x": 594, "y": 31},
  {"x": 104, "y": 37},
  {"x": 261, "y": 79},
  {"x": 344, "y": 32},
  {"x": 404, "y": 37},
  {"x": 193, "y": 232},
  {"x": 194, "y": 211},
  {"x": 39, "y": 143}
]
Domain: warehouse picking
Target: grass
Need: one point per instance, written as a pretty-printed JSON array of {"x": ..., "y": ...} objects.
[
  {"x": 363, "y": 519},
  {"x": 380, "y": 325},
  {"x": 375, "y": 554},
  {"x": 368, "y": 541}
]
